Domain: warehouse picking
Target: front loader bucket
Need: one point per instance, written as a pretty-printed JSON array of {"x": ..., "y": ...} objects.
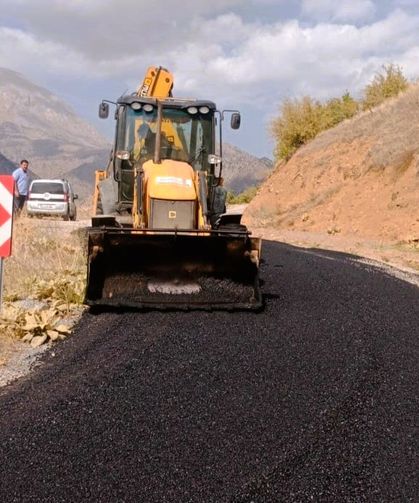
[{"x": 140, "y": 269}]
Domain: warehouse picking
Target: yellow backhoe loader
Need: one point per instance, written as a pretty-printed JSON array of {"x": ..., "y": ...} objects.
[{"x": 160, "y": 237}]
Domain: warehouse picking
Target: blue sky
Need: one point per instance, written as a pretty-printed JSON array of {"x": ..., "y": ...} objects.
[{"x": 244, "y": 54}]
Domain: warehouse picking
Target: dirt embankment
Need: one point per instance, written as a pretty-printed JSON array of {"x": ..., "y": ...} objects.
[{"x": 358, "y": 182}]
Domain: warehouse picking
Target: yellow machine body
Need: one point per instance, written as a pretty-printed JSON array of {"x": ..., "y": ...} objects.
[
  {"x": 163, "y": 244},
  {"x": 157, "y": 82},
  {"x": 171, "y": 181}
]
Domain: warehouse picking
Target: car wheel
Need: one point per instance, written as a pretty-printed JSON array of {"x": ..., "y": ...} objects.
[{"x": 66, "y": 218}]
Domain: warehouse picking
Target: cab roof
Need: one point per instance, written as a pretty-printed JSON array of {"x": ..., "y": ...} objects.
[{"x": 167, "y": 102}]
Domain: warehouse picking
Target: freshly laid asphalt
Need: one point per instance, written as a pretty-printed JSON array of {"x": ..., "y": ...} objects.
[{"x": 313, "y": 399}]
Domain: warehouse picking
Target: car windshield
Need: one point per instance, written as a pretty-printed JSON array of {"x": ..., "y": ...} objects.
[
  {"x": 51, "y": 187},
  {"x": 184, "y": 137}
]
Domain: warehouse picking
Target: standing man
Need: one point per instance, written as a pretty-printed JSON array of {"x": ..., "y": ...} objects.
[{"x": 22, "y": 180}]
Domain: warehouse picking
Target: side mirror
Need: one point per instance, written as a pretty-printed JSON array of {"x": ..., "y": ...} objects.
[
  {"x": 103, "y": 110},
  {"x": 75, "y": 196},
  {"x": 235, "y": 120}
]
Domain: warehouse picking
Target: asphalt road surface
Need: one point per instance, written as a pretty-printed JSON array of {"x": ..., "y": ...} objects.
[{"x": 314, "y": 399}]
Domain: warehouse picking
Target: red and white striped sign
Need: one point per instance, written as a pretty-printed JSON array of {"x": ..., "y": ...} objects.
[{"x": 7, "y": 184}]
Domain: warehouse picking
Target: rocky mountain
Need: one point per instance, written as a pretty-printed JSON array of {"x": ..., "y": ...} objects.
[
  {"x": 38, "y": 126},
  {"x": 6, "y": 165},
  {"x": 360, "y": 178},
  {"x": 242, "y": 170}
]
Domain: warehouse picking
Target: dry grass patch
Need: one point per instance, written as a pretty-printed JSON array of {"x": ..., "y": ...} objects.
[
  {"x": 47, "y": 265},
  {"x": 32, "y": 325},
  {"x": 47, "y": 261}
]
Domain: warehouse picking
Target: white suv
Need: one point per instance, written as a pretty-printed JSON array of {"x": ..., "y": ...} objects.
[{"x": 52, "y": 197}]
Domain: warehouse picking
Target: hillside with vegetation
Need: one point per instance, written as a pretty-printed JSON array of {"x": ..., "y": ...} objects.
[
  {"x": 301, "y": 120},
  {"x": 358, "y": 179}
]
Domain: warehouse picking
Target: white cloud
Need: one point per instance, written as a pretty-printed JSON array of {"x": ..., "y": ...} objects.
[
  {"x": 111, "y": 28},
  {"x": 212, "y": 50},
  {"x": 23, "y": 52},
  {"x": 258, "y": 3},
  {"x": 341, "y": 10},
  {"x": 226, "y": 58},
  {"x": 291, "y": 59}
]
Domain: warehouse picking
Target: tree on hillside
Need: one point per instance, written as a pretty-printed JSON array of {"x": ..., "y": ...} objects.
[
  {"x": 300, "y": 121},
  {"x": 390, "y": 82}
]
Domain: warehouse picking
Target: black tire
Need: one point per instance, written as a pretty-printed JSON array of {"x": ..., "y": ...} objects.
[
  {"x": 233, "y": 227},
  {"x": 66, "y": 217}
]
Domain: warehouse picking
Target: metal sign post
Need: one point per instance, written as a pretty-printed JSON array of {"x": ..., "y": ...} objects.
[
  {"x": 1, "y": 282},
  {"x": 7, "y": 185}
]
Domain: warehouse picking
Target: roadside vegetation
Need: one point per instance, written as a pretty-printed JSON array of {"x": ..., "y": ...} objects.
[
  {"x": 44, "y": 282},
  {"x": 301, "y": 120},
  {"x": 243, "y": 197},
  {"x": 384, "y": 85}
]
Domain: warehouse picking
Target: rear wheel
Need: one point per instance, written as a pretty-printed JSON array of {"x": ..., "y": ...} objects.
[
  {"x": 66, "y": 217},
  {"x": 233, "y": 228}
]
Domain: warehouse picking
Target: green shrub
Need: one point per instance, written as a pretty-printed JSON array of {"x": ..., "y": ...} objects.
[
  {"x": 390, "y": 82},
  {"x": 298, "y": 122},
  {"x": 244, "y": 197},
  {"x": 337, "y": 110},
  {"x": 302, "y": 120}
]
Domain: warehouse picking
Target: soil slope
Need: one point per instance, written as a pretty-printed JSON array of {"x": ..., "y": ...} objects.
[{"x": 359, "y": 179}]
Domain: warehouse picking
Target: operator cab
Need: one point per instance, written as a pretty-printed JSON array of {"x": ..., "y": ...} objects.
[
  {"x": 187, "y": 134},
  {"x": 187, "y": 131}
]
